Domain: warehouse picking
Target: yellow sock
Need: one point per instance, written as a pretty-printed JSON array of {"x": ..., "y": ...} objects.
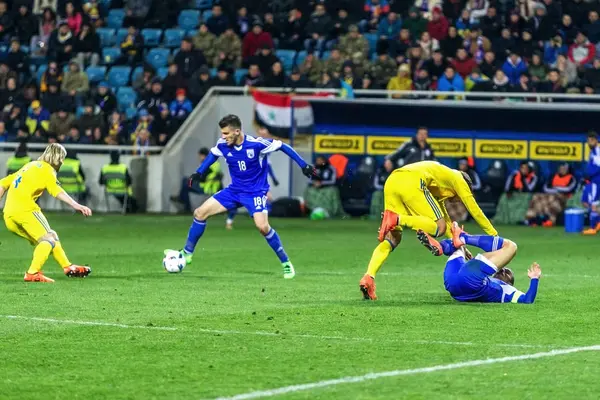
[
  {"x": 40, "y": 255},
  {"x": 416, "y": 222},
  {"x": 59, "y": 255},
  {"x": 380, "y": 254}
]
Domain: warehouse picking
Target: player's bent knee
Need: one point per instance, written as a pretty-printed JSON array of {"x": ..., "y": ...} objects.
[
  {"x": 441, "y": 227},
  {"x": 509, "y": 244},
  {"x": 263, "y": 228},
  {"x": 48, "y": 237}
]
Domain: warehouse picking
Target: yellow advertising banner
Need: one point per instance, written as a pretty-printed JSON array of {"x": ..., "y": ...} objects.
[
  {"x": 384, "y": 145},
  {"x": 451, "y": 147},
  {"x": 514, "y": 149},
  {"x": 559, "y": 151},
  {"x": 344, "y": 144},
  {"x": 586, "y": 152}
]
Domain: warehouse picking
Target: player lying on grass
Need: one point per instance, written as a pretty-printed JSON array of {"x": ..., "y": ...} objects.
[
  {"x": 24, "y": 217},
  {"x": 485, "y": 278},
  {"x": 414, "y": 198},
  {"x": 245, "y": 156}
]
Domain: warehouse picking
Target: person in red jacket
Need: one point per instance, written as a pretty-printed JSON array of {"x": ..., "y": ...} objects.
[
  {"x": 463, "y": 64},
  {"x": 255, "y": 40},
  {"x": 582, "y": 52},
  {"x": 438, "y": 26}
]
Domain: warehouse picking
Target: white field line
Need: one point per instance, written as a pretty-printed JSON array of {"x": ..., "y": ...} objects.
[
  {"x": 403, "y": 372},
  {"x": 272, "y": 334}
]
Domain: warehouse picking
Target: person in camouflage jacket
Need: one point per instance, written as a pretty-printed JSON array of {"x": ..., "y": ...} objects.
[
  {"x": 353, "y": 42},
  {"x": 334, "y": 63},
  {"x": 205, "y": 41},
  {"x": 383, "y": 69},
  {"x": 228, "y": 49},
  {"x": 312, "y": 68},
  {"x": 360, "y": 64}
]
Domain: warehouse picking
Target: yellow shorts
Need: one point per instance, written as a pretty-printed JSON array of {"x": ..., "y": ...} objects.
[
  {"x": 405, "y": 193},
  {"x": 29, "y": 225}
]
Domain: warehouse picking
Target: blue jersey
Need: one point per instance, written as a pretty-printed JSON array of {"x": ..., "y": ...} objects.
[
  {"x": 473, "y": 281},
  {"x": 592, "y": 169},
  {"x": 248, "y": 166}
]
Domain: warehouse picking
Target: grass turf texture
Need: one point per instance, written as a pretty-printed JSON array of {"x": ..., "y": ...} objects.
[{"x": 235, "y": 285}]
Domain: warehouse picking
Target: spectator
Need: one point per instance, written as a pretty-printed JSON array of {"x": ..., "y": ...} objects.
[
  {"x": 7, "y": 27},
  {"x": 144, "y": 122},
  {"x": 217, "y": 23},
  {"x": 317, "y": 29},
  {"x": 40, "y": 6},
  {"x": 592, "y": 28},
  {"x": 88, "y": 122},
  {"x": 117, "y": 182},
  {"x": 402, "y": 81},
  {"x": 253, "y": 77},
  {"x": 566, "y": 69},
  {"x": 76, "y": 83},
  {"x": 489, "y": 65},
  {"x": 60, "y": 44},
  {"x": 38, "y": 121},
  {"x": 399, "y": 47},
  {"x": 463, "y": 64},
  {"x": 504, "y": 45},
  {"x": 105, "y": 99},
  {"x": 523, "y": 180},
  {"x": 322, "y": 191},
  {"x": 553, "y": 48},
  {"x": 74, "y": 136},
  {"x": 360, "y": 65},
  {"x": 73, "y": 18},
  {"x": 223, "y": 77},
  {"x": 554, "y": 11},
  {"x": 275, "y": 77},
  {"x": 296, "y": 80},
  {"x": 463, "y": 24},
  {"x": 568, "y": 30},
  {"x": 292, "y": 33},
  {"x": 411, "y": 151},
  {"x": 173, "y": 81},
  {"x": 562, "y": 181},
  {"x": 428, "y": 45},
  {"x": 206, "y": 42},
  {"x": 136, "y": 12},
  {"x": 163, "y": 127},
  {"x": 87, "y": 46},
  {"x": 334, "y": 63},
  {"x": 526, "y": 47},
  {"x": 541, "y": 25},
  {"x": 311, "y": 68},
  {"x": 450, "y": 81},
  {"x": 60, "y": 123},
  {"x": 17, "y": 60},
  {"x": 592, "y": 75},
  {"x": 53, "y": 99},
  {"x": 451, "y": 43},
  {"x": 389, "y": 29},
  {"x": 254, "y": 40},
  {"x": 438, "y": 26},
  {"x": 143, "y": 82},
  {"x": 271, "y": 28},
  {"x": 116, "y": 129},
  {"x": 422, "y": 81},
  {"x": 475, "y": 81},
  {"x": 341, "y": 24},
  {"x": 582, "y": 52},
  {"x": 524, "y": 86},
  {"x": 415, "y": 24},
  {"x": 265, "y": 59},
  {"x": 180, "y": 108},
  {"x": 537, "y": 70},
  {"x": 39, "y": 43},
  {"x": 199, "y": 84},
  {"x": 545, "y": 208},
  {"x": 513, "y": 67},
  {"x": 490, "y": 24},
  {"x": 188, "y": 59},
  {"x": 91, "y": 8},
  {"x": 141, "y": 142},
  {"x": 501, "y": 82},
  {"x": 349, "y": 80},
  {"x": 467, "y": 165},
  {"x": 228, "y": 50},
  {"x": 553, "y": 84},
  {"x": 478, "y": 10},
  {"x": 325, "y": 82},
  {"x": 27, "y": 25},
  {"x": 374, "y": 11},
  {"x": 353, "y": 42},
  {"x": 242, "y": 22},
  {"x": 132, "y": 47},
  {"x": 383, "y": 69}
]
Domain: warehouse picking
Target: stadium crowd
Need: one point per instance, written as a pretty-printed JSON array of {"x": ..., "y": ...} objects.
[{"x": 131, "y": 71}]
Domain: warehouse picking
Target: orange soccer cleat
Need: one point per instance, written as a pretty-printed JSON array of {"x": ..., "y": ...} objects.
[
  {"x": 430, "y": 243},
  {"x": 37, "y": 277},
  {"x": 77, "y": 271},
  {"x": 367, "y": 287},
  {"x": 390, "y": 220},
  {"x": 456, "y": 231}
]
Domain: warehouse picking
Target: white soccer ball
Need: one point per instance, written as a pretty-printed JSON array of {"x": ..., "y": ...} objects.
[{"x": 174, "y": 262}]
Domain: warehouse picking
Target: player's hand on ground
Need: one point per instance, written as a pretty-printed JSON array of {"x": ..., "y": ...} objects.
[
  {"x": 86, "y": 211},
  {"x": 194, "y": 179},
  {"x": 534, "y": 272},
  {"x": 309, "y": 171}
]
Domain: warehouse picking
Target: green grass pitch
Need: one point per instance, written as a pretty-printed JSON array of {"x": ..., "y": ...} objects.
[{"x": 230, "y": 324}]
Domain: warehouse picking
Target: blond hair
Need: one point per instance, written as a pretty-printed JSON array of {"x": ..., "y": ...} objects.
[{"x": 54, "y": 155}]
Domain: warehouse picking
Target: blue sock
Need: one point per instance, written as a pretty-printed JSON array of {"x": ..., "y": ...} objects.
[
  {"x": 275, "y": 243},
  {"x": 194, "y": 234},
  {"x": 484, "y": 242},
  {"x": 231, "y": 214},
  {"x": 447, "y": 247}
]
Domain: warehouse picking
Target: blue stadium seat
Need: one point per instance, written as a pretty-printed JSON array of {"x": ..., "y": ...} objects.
[
  {"x": 300, "y": 56},
  {"x": 119, "y": 76},
  {"x": 239, "y": 75},
  {"x": 204, "y": 4},
  {"x": 206, "y": 15},
  {"x": 372, "y": 39},
  {"x": 107, "y": 36},
  {"x": 287, "y": 58},
  {"x": 192, "y": 32},
  {"x": 115, "y": 18},
  {"x": 326, "y": 55},
  {"x": 110, "y": 54},
  {"x": 40, "y": 72},
  {"x": 213, "y": 72},
  {"x": 162, "y": 72},
  {"x": 175, "y": 51},
  {"x": 126, "y": 98},
  {"x": 158, "y": 57},
  {"x": 120, "y": 36},
  {"x": 79, "y": 111},
  {"x": 25, "y": 49},
  {"x": 95, "y": 74},
  {"x": 173, "y": 37},
  {"x": 131, "y": 113},
  {"x": 151, "y": 37},
  {"x": 137, "y": 72},
  {"x": 188, "y": 19}
]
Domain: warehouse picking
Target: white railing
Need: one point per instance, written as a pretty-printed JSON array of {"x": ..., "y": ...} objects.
[{"x": 95, "y": 148}]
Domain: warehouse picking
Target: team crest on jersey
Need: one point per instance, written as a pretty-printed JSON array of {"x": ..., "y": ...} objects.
[{"x": 250, "y": 153}]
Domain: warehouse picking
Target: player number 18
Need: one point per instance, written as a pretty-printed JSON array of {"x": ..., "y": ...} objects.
[{"x": 242, "y": 165}]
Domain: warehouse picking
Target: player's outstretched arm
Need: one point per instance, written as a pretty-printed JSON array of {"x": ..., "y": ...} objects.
[
  {"x": 65, "y": 198},
  {"x": 200, "y": 174},
  {"x": 534, "y": 274},
  {"x": 307, "y": 169}
]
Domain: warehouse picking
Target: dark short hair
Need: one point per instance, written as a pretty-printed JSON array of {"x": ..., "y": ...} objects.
[
  {"x": 592, "y": 134},
  {"x": 422, "y": 127},
  {"x": 505, "y": 275},
  {"x": 232, "y": 121},
  {"x": 203, "y": 151}
]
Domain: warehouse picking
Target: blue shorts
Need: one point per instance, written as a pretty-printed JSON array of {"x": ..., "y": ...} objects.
[
  {"x": 253, "y": 202},
  {"x": 465, "y": 280},
  {"x": 590, "y": 194}
]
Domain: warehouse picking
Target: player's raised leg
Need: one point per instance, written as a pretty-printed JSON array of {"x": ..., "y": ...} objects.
[
  {"x": 210, "y": 207},
  {"x": 498, "y": 250},
  {"x": 261, "y": 220}
]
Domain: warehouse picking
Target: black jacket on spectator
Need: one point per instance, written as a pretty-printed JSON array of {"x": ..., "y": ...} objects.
[
  {"x": 592, "y": 31},
  {"x": 296, "y": 84},
  {"x": 89, "y": 44},
  {"x": 56, "y": 48},
  {"x": 10, "y": 97},
  {"x": 151, "y": 101},
  {"x": 490, "y": 27},
  {"x": 292, "y": 35},
  {"x": 435, "y": 71},
  {"x": 55, "y": 101},
  {"x": 264, "y": 62},
  {"x": 272, "y": 80},
  {"x": 252, "y": 81},
  {"x": 502, "y": 47},
  {"x": 27, "y": 27},
  {"x": 488, "y": 69},
  {"x": 198, "y": 88},
  {"x": 410, "y": 152},
  {"x": 189, "y": 62},
  {"x": 229, "y": 81},
  {"x": 171, "y": 84},
  {"x": 273, "y": 29},
  {"x": 7, "y": 23},
  {"x": 106, "y": 103},
  {"x": 18, "y": 61},
  {"x": 578, "y": 10},
  {"x": 319, "y": 24},
  {"x": 340, "y": 27},
  {"x": 449, "y": 46},
  {"x": 592, "y": 75},
  {"x": 217, "y": 25},
  {"x": 543, "y": 28},
  {"x": 380, "y": 178},
  {"x": 86, "y": 122}
]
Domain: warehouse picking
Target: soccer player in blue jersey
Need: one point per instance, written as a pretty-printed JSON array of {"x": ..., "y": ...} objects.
[
  {"x": 485, "y": 278},
  {"x": 246, "y": 158}
]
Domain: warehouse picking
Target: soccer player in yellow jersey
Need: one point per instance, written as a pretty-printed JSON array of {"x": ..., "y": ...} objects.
[
  {"x": 414, "y": 198},
  {"x": 24, "y": 217}
]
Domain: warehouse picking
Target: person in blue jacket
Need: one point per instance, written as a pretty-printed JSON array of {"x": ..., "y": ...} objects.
[
  {"x": 450, "y": 81},
  {"x": 513, "y": 67}
]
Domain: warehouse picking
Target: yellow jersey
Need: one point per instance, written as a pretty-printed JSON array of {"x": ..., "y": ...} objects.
[
  {"x": 445, "y": 183},
  {"x": 26, "y": 185}
]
